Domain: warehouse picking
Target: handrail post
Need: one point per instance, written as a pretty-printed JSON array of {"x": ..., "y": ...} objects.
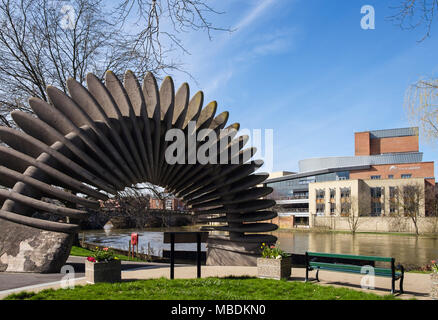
[
  {"x": 172, "y": 255},
  {"x": 402, "y": 269},
  {"x": 393, "y": 276},
  {"x": 198, "y": 254},
  {"x": 307, "y": 267}
]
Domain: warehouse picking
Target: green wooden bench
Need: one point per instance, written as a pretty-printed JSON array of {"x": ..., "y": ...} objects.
[{"x": 312, "y": 263}]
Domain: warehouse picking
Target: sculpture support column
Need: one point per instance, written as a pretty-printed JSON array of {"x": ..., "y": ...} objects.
[{"x": 224, "y": 252}]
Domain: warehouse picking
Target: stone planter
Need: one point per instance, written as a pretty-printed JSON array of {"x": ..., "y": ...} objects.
[
  {"x": 96, "y": 272},
  {"x": 434, "y": 286},
  {"x": 274, "y": 268}
]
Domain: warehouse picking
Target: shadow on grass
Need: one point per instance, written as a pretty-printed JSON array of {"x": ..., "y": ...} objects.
[{"x": 358, "y": 286}]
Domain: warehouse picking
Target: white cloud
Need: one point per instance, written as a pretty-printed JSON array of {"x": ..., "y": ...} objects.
[
  {"x": 214, "y": 64},
  {"x": 218, "y": 80},
  {"x": 254, "y": 14}
]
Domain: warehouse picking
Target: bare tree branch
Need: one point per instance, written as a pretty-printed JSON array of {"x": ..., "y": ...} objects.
[
  {"x": 45, "y": 42},
  {"x": 413, "y": 14},
  {"x": 421, "y": 106}
]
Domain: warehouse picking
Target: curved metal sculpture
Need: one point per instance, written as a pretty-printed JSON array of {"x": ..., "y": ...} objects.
[{"x": 89, "y": 145}]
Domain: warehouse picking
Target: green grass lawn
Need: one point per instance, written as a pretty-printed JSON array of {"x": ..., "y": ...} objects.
[
  {"x": 82, "y": 252},
  {"x": 202, "y": 289}
]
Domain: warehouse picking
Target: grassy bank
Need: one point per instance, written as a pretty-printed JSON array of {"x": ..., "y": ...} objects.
[
  {"x": 202, "y": 289},
  {"x": 82, "y": 252}
]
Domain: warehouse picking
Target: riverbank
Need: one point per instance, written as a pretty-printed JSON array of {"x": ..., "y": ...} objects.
[
  {"x": 85, "y": 251},
  {"x": 412, "y": 252},
  {"x": 183, "y": 257},
  {"x": 324, "y": 230},
  {"x": 123, "y": 256}
]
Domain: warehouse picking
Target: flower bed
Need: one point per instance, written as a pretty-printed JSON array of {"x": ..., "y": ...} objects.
[
  {"x": 274, "y": 263},
  {"x": 102, "y": 266}
]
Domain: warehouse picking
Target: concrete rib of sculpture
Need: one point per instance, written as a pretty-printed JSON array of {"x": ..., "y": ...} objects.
[{"x": 90, "y": 144}]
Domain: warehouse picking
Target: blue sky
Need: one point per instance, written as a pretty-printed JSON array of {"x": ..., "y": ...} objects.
[{"x": 306, "y": 69}]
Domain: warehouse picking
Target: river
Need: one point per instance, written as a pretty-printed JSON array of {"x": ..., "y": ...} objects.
[{"x": 408, "y": 250}]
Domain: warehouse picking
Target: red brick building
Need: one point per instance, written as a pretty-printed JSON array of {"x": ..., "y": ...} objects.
[
  {"x": 167, "y": 204},
  {"x": 391, "y": 142}
]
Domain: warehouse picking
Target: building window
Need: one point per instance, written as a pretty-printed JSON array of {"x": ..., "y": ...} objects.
[
  {"x": 393, "y": 200},
  {"x": 345, "y": 193},
  {"x": 376, "y": 192},
  {"x": 391, "y": 176},
  {"x": 345, "y": 202},
  {"x": 345, "y": 209},
  {"x": 406, "y": 176},
  {"x": 300, "y": 195},
  {"x": 375, "y": 177},
  {"x": 376, "y": 204},
  {"x": 344, "y": 175},
  {"x": 392, "y": 192},
  {"x": 332, "y": 208},
  {"x": 320, "y": 208},
  {"x": 376, "y": 209},
  {"x": 320, "y": 194},
  {"x": 393, "y": 208},
  {"x": 332, "y": 194}
]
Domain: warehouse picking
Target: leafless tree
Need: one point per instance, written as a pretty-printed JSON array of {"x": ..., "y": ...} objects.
[
  {"x": 431, "y": 199},
  {"x": 133, "y": 203},
  {"x": 352, "y": 208},
  {"x": 413, "y": 202},
  {"x": 412, "y": 14},
  {"x": 421, "y": 106},
  {"x": 129, "y": 204},
  {"x": 431, "y": 205},
  {"x": 44, "y": 42},
  {"x": 420, "y": 99}
]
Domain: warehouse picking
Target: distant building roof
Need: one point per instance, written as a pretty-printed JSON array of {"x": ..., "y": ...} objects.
[
  {"x": 313, "y": 173},
  {"x": 391, "y": 133},
  {"x": 339, "y": 162},
  {"x": 279, "y": 174}
]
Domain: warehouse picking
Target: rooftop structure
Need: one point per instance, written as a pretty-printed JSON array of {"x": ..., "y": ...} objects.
[{"x": 379, "y": 154}]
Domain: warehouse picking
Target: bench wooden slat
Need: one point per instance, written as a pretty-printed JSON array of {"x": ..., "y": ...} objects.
[
  {"x": 347, "y": 256},
  {"x": 383, "y": 272},
  {"x": 312, "y": 263}
]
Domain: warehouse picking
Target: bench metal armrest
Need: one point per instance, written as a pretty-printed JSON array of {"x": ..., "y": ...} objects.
[{"x": 401, "y": 268}]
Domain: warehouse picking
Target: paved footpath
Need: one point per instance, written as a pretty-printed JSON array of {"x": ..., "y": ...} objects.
[{"x": 416, "y": 285}]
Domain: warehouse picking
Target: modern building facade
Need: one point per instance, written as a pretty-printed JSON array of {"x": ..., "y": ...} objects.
[{"x": 384, "y": 161}]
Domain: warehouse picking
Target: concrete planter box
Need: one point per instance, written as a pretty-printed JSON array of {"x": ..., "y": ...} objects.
[
  {"x": 273, "y": 268},
  {"x": 434, "y": 286},
  {"x": 96, "y": 272}
]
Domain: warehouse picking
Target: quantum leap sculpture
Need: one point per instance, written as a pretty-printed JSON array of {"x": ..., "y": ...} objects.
[{"x": 87, "y": 146}]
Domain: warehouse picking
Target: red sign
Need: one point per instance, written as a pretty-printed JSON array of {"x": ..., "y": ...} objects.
[{"x": 134, "y": 239}]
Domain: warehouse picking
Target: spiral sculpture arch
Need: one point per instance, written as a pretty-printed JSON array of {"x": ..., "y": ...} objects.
[{"x": 98, "y": 140}]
